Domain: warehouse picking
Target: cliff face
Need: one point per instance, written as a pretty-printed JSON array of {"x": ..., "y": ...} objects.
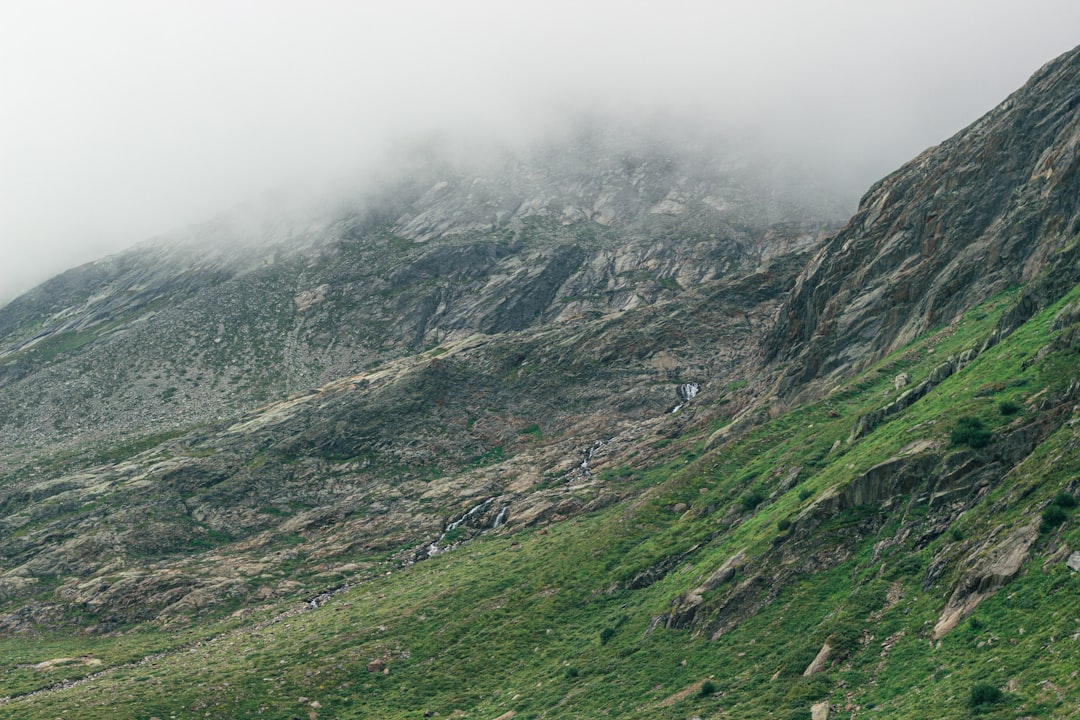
[{"x": 992, "y": 207}]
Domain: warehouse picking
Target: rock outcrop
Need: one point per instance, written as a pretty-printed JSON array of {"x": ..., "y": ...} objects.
[
  {"x": 988, "y": 569},
  {"x": 996, "y": 205}
]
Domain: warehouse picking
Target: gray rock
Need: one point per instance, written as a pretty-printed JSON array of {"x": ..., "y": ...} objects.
[{"x": 915, "y": 254}]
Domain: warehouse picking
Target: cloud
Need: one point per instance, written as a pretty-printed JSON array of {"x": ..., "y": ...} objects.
[{"x": 121, "y": 120}]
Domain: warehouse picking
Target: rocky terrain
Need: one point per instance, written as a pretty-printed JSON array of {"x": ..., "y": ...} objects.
[
  {"x": 455, "y": 341},
  {"x": 605, "y": 430}
]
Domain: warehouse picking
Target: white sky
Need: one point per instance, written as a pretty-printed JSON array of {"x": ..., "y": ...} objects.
[{"x": 122, "y": 120}]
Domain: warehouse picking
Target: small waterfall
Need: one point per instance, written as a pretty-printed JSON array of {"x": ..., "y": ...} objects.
[
  {"x": 500, "y": 519},
  {"x": 687, "y": 391}
]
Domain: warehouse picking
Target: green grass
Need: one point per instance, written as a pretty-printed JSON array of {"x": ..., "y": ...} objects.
[{"x": 543, "y": 622}]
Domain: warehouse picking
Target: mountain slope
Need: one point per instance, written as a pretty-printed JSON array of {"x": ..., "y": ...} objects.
[
  {"x": 995, "y": 206},
  {"x": 589, "y": 616},
  {"x": 625, "y": 512}
]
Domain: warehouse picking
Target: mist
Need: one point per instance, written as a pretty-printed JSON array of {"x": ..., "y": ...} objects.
[{"x": 120, "y": 121}]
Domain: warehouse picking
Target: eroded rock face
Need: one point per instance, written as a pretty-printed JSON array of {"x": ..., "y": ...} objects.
[{"x": 991, "y": 207}]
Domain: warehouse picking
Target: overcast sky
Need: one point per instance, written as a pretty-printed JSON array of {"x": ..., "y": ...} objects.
[{"x": 123, "y": 120}]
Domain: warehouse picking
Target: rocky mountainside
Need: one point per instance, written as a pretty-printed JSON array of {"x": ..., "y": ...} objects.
[
  {"x": 269, "y": 300},
  {"x": 582, "y": 435},
  {"x": 994, "y": 207},
  {"x": 452, "y": 340}
]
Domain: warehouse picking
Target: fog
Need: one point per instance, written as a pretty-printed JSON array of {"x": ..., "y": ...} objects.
[{"x": 123, "y": 120}]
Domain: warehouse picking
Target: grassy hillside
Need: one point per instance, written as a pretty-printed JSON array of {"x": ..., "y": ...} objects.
[{"x": 709, "y": 596}]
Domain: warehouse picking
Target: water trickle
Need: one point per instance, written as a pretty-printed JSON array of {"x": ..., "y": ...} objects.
[
  {"x": 465, "y": 518},
  {"x": 501, "y": 517},
  {"x": 470, "y": 514},
  {"x": 589, "y": 452}
]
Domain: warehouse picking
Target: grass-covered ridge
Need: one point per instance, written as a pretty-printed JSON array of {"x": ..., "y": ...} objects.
[{"x": 595, "y": 616}]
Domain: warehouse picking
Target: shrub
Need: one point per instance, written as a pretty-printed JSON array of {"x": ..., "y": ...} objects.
[
  {"x": 571, "y": 672},
  {"x": 970, "y": 431},
  {"x": 708, "y": 688},
  {"x": 1053, "y": 516},
  {"x": 845, "y": 638},
  {"x": 805, "y": 493},
  {"x": 1064, "y": 500},
  {"x": 1008, "y": 407},
  {"x": 783, "y": 525},
  {"x": 606, "y": 634},
  {"x": 983, "y": 696},
  {"x": 752, "y": 499}
]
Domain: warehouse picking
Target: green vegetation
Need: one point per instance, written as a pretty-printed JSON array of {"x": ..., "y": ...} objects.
[
  {"x": 1058, "y": 511},
  {"x": 970, "y": 431},
  {"x": 669, "y": 283},
  {"x": 984, "y": 697},
  {"x": 554, "y": 620},
  {"x": 752, "y": 499},
  {"x": 1009, "y": 407},
  {"x": 533, "y": 430}
]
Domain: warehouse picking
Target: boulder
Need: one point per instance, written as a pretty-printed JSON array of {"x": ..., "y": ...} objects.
[{"x": 820, "y": 662}]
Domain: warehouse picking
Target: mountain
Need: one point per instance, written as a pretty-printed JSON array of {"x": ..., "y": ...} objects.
[
  {"x": 453, "y": 340},
  {"x": 270, "y": 299},
  {"x": 995, "y": 207},
  {"x": 609, "y": 429}
]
